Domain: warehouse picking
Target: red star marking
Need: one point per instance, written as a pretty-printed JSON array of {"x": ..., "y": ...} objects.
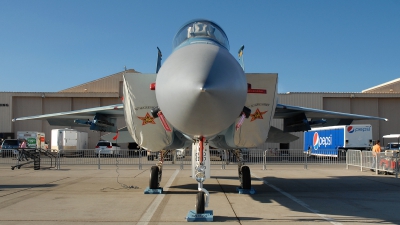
[
  {"x": 147, "y": 119},
  {"x": 257, "y": 115}
]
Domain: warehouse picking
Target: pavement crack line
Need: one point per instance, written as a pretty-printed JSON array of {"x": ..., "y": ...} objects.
[
  {"x": 298, "y": 201},
  {"x": 145, "y": 219},
  {"x": 226, "y": 196}
]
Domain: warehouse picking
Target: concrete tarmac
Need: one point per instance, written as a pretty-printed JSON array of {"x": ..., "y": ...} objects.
[{"x": 286, "y": 194}]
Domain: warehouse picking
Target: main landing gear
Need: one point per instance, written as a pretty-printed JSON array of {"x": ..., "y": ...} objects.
[
  {"x": 243, "y": 171},
  {"x": 156, "y": 175},
  {"x": 244, "y": 174}
]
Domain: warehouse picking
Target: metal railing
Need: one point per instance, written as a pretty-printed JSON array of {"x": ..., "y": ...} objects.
[
  {"x": 383, "y": 162},
  {"x": 262, "y": 157},
  {"x": 386, "y": 162}
]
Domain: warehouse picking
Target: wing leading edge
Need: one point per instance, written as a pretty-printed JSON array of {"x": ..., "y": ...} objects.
[
  {"x": 298, "y": 118},
  {"x": 101, "y": 118}
]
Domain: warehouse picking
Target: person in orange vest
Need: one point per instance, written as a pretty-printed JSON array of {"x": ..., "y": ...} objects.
[{"x": 375, "y": 153}]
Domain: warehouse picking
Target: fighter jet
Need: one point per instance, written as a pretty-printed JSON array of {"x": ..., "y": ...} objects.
[{"x": 201, "y": 97}]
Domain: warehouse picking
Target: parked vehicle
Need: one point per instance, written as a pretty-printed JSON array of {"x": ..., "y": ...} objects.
[
  {"x": 8, "y": 146},
  {"x": 230, "y": 155},
  {"x": 392, "y": 146},
  {"x": 107, "y": 148},
  {"x": 34, "y": 139},
  {"x": 68, "y": 141},
  {"x": 154, "y": 155},
  {"x": 180, "y": 153},
  {"x": 134, "y": 149},
  {"x": 330, "y": 141}
]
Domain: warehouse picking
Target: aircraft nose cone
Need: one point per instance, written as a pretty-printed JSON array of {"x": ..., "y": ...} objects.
[{"x": 201, "y": 89}]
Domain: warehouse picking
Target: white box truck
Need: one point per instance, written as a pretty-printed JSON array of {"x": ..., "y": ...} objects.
[
  {"x": 329, "y": 141},
  {"x": 68, "y": 141},
  {"x": 34, "y": 139}
]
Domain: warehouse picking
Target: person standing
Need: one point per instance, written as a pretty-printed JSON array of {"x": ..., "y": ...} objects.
[
  {"x": 22, "y": 155},
  {"x": 23, "y": 144},
  {"x": 375, "y": 153}
]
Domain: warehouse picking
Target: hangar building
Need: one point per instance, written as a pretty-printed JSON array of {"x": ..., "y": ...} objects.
[{"x": 381, "y": 101}]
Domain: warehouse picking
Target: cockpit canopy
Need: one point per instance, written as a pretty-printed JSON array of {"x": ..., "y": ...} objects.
[{"x": 201, "y": 29}]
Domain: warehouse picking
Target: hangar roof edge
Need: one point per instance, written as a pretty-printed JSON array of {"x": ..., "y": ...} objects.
[
  {"x": 381, "y": 85},
  {"x": 99, "y": 79}
]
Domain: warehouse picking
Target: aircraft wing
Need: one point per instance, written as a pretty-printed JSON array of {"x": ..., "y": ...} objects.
[
  {"x": 298, "y": 118},
  {"x": 101, "y": 118},
  {"x": 123, "y": 136}
]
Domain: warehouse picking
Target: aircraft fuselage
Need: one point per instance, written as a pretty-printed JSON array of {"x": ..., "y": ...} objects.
[{"x": 201, "y": 88}]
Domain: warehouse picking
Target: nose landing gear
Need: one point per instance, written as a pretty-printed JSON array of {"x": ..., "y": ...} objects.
[{"x": 200, "y": 172}]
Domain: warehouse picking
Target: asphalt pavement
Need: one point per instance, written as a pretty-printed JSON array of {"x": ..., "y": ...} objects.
[{"x": 285, "y": 194}]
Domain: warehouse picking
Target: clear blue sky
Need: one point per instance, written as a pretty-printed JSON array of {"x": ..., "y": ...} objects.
[{"x": 314, "y": 45}]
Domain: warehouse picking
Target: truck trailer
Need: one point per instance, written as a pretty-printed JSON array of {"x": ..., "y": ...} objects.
[
  {"x": 68, "y": 141},
  {"x": 330, "y": 141},
  {"x": 34, "y": 139}
]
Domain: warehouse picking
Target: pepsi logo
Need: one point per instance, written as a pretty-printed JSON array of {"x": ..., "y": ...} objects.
[
  {"x": 350, "y": 129},
  {"x": 316, "y": 141}
]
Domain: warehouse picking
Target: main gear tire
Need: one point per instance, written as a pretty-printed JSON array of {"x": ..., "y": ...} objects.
[
  {"x": 153, "y": 182},
  {"x": 246, "y": 178}
]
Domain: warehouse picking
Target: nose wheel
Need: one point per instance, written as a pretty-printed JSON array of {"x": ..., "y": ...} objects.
[{"x": 200, "y": 203}]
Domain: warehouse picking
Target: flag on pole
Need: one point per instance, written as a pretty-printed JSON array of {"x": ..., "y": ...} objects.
[{"x": 116, "y": 136}]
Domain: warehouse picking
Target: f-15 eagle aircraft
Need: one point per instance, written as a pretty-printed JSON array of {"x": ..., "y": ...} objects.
[{"x": 201, "y": 97}]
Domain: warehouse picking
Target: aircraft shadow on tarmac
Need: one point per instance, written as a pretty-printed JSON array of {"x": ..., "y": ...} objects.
[{"x": 374, "y": 197}]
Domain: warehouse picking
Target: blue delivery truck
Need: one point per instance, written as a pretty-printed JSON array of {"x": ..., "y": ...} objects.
[{"x": 330, "y": 141}]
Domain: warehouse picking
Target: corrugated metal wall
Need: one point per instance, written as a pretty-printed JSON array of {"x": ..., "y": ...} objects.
[
  {"x": 27, "y": 106},
  {"x": 5, "y": 112},
  {"x": 389, "y": 108}
]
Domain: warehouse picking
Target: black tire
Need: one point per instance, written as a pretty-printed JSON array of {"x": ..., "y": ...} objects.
[
  {"x": 200, "y": 203},
  {"x": 153, "y": 182},
  {"x": 246, "y": 178}
]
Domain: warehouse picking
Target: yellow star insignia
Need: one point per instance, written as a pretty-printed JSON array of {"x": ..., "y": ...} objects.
[
  {"x": 257, "y": 115},
  {"x": 147, "y": 119}
]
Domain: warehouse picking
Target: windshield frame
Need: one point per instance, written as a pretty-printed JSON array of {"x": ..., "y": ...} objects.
[{"x": 182, "y": 38}]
